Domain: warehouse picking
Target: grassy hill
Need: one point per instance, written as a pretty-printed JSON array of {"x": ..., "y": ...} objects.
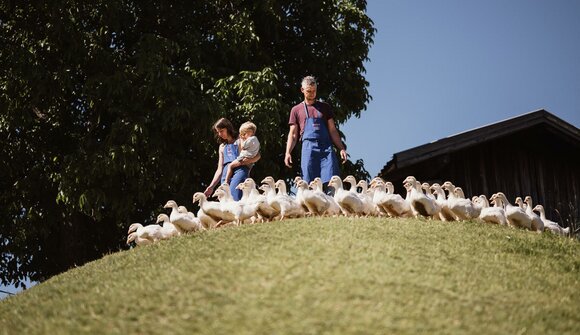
[{"x": 313, "y": 276}]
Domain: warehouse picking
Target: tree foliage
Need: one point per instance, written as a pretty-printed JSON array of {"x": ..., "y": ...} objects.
[{"x": 107, "y": 107}]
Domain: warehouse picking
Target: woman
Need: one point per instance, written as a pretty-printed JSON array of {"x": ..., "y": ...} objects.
[{"x": 227, "y": 136}]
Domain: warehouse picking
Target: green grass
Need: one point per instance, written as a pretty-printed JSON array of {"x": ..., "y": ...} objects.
[{"x": 318, "y": 276}]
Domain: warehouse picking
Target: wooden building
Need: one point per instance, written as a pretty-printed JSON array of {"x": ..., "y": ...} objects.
[{"x": 536, "y": 154}]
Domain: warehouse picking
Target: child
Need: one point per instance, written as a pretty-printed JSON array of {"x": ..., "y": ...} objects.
[{"x": 249, "y": 145}]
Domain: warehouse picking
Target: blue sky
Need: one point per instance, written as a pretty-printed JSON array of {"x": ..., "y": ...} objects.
[{"x": 438, "y": 68}]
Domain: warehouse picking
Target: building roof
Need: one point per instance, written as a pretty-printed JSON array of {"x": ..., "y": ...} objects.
[{"x": 483, "y": 134}]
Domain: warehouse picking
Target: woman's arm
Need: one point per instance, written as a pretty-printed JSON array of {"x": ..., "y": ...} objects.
[{"x": 218, "y": 173}]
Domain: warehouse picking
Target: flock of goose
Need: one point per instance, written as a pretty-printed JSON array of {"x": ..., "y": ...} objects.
[{"x": 360, "y": 199}]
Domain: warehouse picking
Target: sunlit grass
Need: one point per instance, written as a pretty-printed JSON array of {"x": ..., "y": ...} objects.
[{"x": 313, "y": 276}]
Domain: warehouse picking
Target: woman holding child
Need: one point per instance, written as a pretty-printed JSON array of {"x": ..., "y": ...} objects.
[{"x": 236, "y": 155}]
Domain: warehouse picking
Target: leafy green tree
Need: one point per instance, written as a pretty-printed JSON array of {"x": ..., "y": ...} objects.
[{"x": 106, "y": 108}]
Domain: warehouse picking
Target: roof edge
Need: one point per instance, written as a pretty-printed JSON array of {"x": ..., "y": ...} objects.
[{"x": 477, "y": 135}]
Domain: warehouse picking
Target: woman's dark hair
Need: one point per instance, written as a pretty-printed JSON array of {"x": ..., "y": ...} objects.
[{"x": 221, "y": 124}]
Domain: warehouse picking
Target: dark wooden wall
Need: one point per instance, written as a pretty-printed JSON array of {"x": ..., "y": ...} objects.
[{"x": 536, "y": 162}]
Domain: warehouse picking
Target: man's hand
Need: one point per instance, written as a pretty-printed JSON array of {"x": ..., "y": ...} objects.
[
  {"x": 343, "y": 155},
  {"x": 288, "y": 160}
]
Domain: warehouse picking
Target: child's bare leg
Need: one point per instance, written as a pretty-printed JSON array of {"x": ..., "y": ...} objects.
[{"x": 234, "y": 164}]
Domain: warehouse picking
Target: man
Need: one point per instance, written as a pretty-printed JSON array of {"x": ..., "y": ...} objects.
[{"x": 313, "y": 122}]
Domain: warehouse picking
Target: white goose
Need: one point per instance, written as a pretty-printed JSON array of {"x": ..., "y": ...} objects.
[
  {"x": 351, "y": 180},
  {"x": 250, "y": 185},
  {"x": 333, "y": 207},
  {"x": 368, "y": 205},
  {"x": 168, "y": 229},
  {"x": 267, "y": 191},
  {"x": 403, "y": 207},
  {"x": 230, "y": 210},
  {"x": 207, "y": 221},
  {"x": 394, "y": 203},
  {"x": 516, "y": 216},
  {"x": 227, "y": 193},
  {"x": 287, "y": 206},
  {"x": 269, "y": 188},
  {"x": 144, "y": 235},
  {"x": 377, "y": 179},
  {"x": 551, "y": 225},
  {"x": 316, "y": 203},
  {"x": 134, "y": 237},
  {"x": 476, "y": 209},
  {"x": 420, "y": 203},
  {"x": 537, "y": 223},
  {"x": 270, "y": 194},
  {"x": 210, "y": 211},
  {"x": 300, "y": 194},
  {"x": 349, "y": 202},
  {"x": 427, "y": 190},
  {"x": 251, "y": 195},
  {"x": 520, "y": 202},
  {"x": 237, "y": 211},
  {"x": 269, "y": 180},
  {"x": 246, "y": 191},
  {"x": 445, "y": 214},
  {"x": 379, "y": 197},
  {"x": 183, "y": 209},
  {"x": 458, "y": 191},
  {"x": 184, "y": 222},
  {"x": 366, "y": 195},
  {"x": 461, "y": 207},
  {"x": 478, "y": 204},
  {"x": 495, "y": 215}
]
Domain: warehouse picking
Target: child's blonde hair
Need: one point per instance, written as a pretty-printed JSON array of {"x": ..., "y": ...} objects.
[{"x": 248, "y": 126}]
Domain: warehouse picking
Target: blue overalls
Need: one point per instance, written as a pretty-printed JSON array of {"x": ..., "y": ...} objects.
[
  {"x": 318, "y": 158},
  {"x": 239, "y": 174}
]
